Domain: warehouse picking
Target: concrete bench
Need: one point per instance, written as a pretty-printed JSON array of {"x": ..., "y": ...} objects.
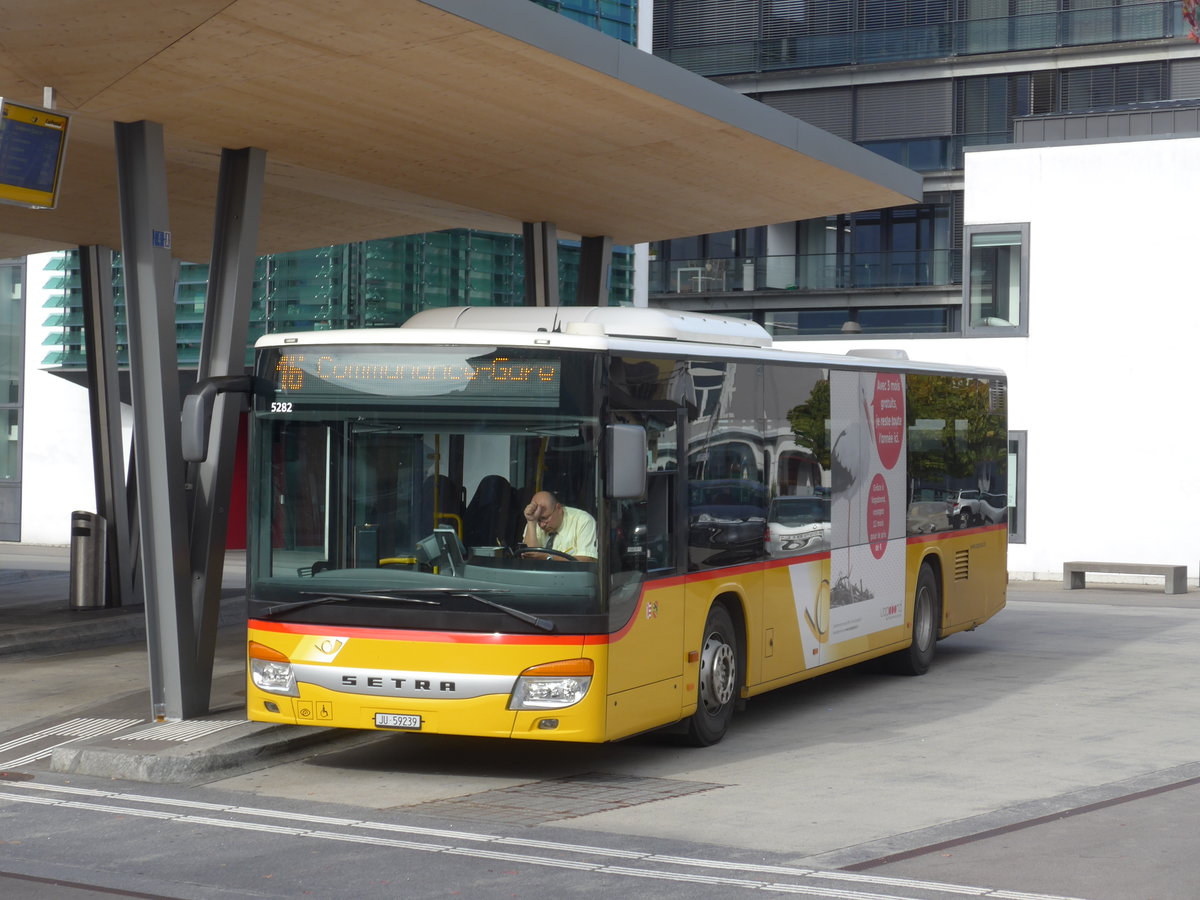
[{"x": 1074, "y": 574}]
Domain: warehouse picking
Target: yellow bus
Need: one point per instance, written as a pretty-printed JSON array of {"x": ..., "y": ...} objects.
[{"x": 760, "y": 515}]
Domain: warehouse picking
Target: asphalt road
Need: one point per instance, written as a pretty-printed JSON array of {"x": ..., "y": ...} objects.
[{"x": 1054, "y": 752}]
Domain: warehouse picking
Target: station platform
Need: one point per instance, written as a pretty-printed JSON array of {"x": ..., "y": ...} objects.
[
  {"x": 35, "y": 613},
  {"x": 77, "y": 697}
]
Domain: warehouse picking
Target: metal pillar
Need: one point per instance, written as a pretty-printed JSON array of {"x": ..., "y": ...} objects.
[
  {"x": 541, "y": 264},
  {"x": 104, "y": 402},
  {"x": 175, "y": 692},
  {"x": 223, "y": 352},
  {"x": 595, "y": 266}
]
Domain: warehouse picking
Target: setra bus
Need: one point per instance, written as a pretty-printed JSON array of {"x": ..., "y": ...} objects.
[{"x": 763, "y": 515}]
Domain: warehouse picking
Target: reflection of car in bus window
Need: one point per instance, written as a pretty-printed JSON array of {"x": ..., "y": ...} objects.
[
  {"x": 727, "y": 515},
  {"x": 797, "y": 525},
  {"x": 966, "y": 508}
]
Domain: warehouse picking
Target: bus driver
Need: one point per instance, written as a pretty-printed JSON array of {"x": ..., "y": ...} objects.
[{"x": 551, "y": 525}]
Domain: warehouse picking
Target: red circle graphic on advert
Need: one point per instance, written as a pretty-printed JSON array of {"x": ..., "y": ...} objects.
[
  {"x": 879, "y": 509},
  {"x": 889, "y": 417}
]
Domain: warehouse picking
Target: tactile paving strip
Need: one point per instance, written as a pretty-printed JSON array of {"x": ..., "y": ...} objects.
[
  {"x": 559, "y": 798},
  {"x": 58, "y": 735},
  {"x": 179, "y": 731}
]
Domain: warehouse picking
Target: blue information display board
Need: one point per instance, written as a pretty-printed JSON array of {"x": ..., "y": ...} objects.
[{"x": 32, "y": 144}]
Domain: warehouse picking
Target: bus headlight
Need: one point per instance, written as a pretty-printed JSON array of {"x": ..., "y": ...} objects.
[
  {"x": 552, "y": 685},
  {"x": 271, "y": 671}
]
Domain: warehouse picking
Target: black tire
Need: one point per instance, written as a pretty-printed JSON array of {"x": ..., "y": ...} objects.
[
  {"x": 916, "y": 658},
  {"x": 720, "y": 681}
]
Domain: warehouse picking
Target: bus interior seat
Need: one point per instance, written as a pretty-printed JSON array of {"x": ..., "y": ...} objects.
[{"x": 492, "y": 515}]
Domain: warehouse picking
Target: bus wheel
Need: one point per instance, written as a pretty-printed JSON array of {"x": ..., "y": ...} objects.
[
  {"x": 927, "y": 608},
  {"x": 720, "y": 679}
]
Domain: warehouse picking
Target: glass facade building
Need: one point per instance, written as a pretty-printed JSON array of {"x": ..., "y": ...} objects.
[
  {"x": 369, "y": 284},
  {"x": 12, "y": 356},
  {"x": 917, "y": 81}
]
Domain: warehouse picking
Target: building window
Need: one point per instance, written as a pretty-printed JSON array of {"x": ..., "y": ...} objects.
[
  {"x": 12, "y": 355},
  {"x": 1016, "y": 486},
  {"x": 996, "y": 280},
  {"x": 795, "y": 323}
]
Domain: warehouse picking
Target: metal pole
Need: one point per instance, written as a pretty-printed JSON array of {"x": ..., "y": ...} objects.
[
  {"x": 541, "y": 264},
  {"x": 595, "y": 265},
  {"x": 104, "y": 403},
  {"x": 223, "y": 352},
  {"x": 154, "y": 383}
]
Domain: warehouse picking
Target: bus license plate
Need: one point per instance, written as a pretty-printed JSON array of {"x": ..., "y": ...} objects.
[{"x": 396, "y": 720}]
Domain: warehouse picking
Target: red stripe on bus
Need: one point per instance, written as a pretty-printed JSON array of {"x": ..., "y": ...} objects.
[
  {"x": 428, "y": 637},
  {"x": 946, "y": 535}
]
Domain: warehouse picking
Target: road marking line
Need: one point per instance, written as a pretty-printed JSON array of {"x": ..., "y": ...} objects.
[
  {"x": 482, "y": 853},
  {"x": 908, "y": 882}
]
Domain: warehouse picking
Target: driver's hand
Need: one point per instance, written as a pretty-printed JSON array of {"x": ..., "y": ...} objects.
[{"x": 535, "y": 512}]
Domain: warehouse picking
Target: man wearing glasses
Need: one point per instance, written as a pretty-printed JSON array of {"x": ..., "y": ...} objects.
[{"x": 551, "y": 526}]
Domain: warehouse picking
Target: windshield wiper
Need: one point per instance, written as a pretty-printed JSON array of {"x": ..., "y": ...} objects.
[
  {"x": 316, "y": 598},
  {"x": 412, "y": 596},
  {"x": 276, "y": 608},
  {"x": 528, "y": 618},
  {"x": 377, "y": 595}
]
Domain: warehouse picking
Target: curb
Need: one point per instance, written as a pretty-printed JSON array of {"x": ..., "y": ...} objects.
[{"x": 240, "y": 748}]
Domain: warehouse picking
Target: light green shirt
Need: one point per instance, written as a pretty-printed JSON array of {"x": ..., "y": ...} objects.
[{"x": 577, "y": 535}]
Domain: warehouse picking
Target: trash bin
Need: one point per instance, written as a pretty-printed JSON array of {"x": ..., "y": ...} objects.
[{"x": 89, "y": 560}]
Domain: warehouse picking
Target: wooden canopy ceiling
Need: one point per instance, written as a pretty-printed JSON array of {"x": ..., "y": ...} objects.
[{"x": 388, "y": 118}]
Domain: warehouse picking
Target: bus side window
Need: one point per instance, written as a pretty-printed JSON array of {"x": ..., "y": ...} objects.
[
  {"x": 660, "y": 521},
  {"x": 644, "y": 527},
  {"x": 654, "y": 394}
]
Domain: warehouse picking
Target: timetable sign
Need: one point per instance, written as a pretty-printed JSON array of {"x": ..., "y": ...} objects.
[{"x": 32, "y": 144}]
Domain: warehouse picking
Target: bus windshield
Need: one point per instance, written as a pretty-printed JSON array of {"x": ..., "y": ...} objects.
[{"x": 393, "y": 481}]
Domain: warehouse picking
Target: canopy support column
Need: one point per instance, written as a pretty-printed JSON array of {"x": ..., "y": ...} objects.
[
  {"x": 541, "y": 264},
  {"x": 104, "y": 403},
  {"x": 175, "y": 691},
  {"x": 223, "y": 352}
]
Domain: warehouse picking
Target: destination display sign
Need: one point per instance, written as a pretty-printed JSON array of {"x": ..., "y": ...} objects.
[
  {"x": 33, "y": 142},
  {"x": 445, "y": 376}
]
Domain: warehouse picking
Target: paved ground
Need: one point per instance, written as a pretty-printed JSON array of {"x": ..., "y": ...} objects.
[
  {"x": 1054, "y": 749},
  {"x": 76, "y": 684},
  {"x": 36, "y": 618},
  {"x": 106, "y": 692}
]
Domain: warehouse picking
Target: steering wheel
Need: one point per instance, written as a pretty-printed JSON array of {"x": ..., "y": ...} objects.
[{"x": 559, "y": 553}]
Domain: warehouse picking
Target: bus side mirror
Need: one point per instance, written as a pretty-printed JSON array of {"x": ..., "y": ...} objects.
[
  {"x": 196, "y": 416},
  {"x": 626, "y": 461}
]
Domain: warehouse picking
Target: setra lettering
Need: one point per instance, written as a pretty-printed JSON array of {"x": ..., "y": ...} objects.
[{"x": 398, "y": 683}]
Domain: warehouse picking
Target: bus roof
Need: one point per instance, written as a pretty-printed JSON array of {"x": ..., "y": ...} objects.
[
  {"x": 619, "y": 328},
  {"x": 614, "y": 321}
]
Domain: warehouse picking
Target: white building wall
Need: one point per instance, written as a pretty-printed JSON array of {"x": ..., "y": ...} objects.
[
  {"x": 1104, "y": 383},
  {"x": 56, "y": 470}
]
